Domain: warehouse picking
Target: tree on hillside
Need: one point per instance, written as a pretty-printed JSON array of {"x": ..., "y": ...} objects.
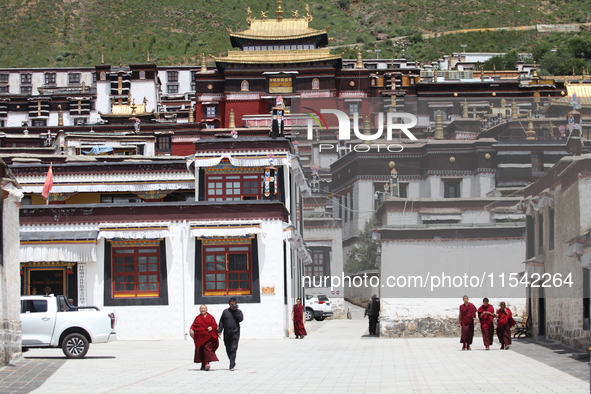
[{"x": 364, "y": 252}]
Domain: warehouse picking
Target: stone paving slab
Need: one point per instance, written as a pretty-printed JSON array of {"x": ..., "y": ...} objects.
[
  {"x": 28, "y": 374},
  {"x": 336, "y": 357}
]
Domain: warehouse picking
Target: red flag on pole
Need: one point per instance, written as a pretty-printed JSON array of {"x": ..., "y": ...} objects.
[{"x": 48, "y": 183}]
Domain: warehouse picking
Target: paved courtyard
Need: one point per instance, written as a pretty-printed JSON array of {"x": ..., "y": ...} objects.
[{"x": 336, "y": 357}]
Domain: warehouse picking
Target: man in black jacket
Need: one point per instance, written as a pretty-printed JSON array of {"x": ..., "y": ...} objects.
[
  {"x": 230, "y": 326},
  {"x": 373, "y": 311}
]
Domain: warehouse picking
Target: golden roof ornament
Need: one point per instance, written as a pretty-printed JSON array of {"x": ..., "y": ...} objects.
[
  {"x": 530, "y": 132},
  {"x": 249, "y": 18},
  {"x": 295, "y": 14},
  {"x": 279, "y": 12},
  {"x": 438, "y": 134},
  {"x": 60, "y": 115},
  {"x": 359, "y": 62},
  {"x": 232, "y": 124},
  {"x": 203, "y": 63},
  {"x": 264, "y": 15},
  {"x": 308, "y": 16},
  {"x": 535, "y": 72}
]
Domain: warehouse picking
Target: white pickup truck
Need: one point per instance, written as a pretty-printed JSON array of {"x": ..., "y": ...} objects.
[{"x": 50, "y": 321}]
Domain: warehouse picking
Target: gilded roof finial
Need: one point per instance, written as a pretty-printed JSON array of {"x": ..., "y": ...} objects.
[
  {"x": 102, "y": 57},
  {"x": 359, "y": 62},
  {"x": 203, "y": 63},
  {"x": 60, "y": 115},
  {"x": 308, "y": 16},
  {"x": 530, "y": 132},
  {"x": 232, "y": 123},
  {"x": 148, "y": 56},
  {"x": 535, "y": 72},
  {"x": 295, "y": 14},
  {"x": 249, "y": 18},
  {"x": 279, "y": 11},
  {"x": 264, "y": 15}
]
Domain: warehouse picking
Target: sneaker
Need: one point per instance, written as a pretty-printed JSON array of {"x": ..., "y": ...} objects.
[
  {"x": 507, "y": 347},
  {"x": 207, "y": 367}
]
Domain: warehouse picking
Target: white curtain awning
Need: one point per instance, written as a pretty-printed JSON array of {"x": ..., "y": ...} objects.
[
  {"x": 72, "y": 246},
  {"x": 75, "y": 252},
  {"x": 531, "y": 205},
  {"x": 119, "y": 187},
  {"x": 299, "y": 177},
  {"x": 225, "y": 230},
  {"x": 433, "y": 217},
  {"x": 297, "y": 243},
  {"x": 134, "y": 232},
  {"x": 534, "y": 266},
  {"x": 241, "y": 160},
  {"x": 505, "y": 215}
]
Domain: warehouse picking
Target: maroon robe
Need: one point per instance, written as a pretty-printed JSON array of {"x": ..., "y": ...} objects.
[
  {"x": 467, "y": 314},
  {"x": 504, "y": 323},
  {"x": 487, "y": 324},
  {"x": 206, "y": 342},
  {"x": 298, "y": 320}
]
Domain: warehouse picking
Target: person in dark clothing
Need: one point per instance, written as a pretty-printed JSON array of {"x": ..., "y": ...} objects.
[
  {"x": 373, "y": 311},
  {"x": 230, "y": 326}
]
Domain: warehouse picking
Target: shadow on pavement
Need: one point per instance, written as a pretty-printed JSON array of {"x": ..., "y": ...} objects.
[{"x": 63, "y": 357}]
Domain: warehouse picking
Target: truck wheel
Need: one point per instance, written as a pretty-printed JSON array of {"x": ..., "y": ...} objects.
[
  {"x": 309, "y": 314},
  {"x": 75, "y": 346},
  {"x": 320, "y": 318}
]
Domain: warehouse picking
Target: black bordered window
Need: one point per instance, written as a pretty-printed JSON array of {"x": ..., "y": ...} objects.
[
  {"x": 226, "y": 267},
  {"x": 137, "y": 272}
]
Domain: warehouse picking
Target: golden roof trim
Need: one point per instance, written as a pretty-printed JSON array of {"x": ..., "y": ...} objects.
[
  {"x": 272, "y": 29},
  {"x": 278, "y": 56}
]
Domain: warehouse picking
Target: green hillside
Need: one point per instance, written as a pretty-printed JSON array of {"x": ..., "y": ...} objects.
[{"x": 41, "y": 33}]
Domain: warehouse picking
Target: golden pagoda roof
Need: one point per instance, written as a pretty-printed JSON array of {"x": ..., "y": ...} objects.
[
  {"x": 278, "y": 56},
  {"x": 274, "y": 29},
  {"x": 580, "y": 89}
]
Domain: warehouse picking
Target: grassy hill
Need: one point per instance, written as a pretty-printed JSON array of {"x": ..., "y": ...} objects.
[{"x": 41, "y": 33}]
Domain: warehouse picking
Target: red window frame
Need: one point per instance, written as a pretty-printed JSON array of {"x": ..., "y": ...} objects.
[
  {"x": 316, "y": 269},
  {"x": 233, "y": 186},
  {"x": 136, "y": 270},
  {"x": 227, "y": 268}
]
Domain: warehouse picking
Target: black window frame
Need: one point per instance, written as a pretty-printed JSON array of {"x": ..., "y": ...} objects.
[
  {"x": 110, "y": 300},
  {"x": 50, "y": 78},
  {"x": 253, "y": 298},
  {"x": 74, "y": 78}
]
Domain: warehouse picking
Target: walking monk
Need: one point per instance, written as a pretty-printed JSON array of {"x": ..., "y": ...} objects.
[
  {"x": 486, "y": 314},
  {"x": 466, "y": 323},
  {"x": 297, "y": 315},
  {"x": 204, "y": 332},
  {"x": 504, "y": 323}
]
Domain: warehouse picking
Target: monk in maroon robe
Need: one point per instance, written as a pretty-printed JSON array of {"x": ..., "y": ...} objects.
[
  {"x": 504, "y": 323},
  {"x": 486, "y": 314},
  {"x": 297, "y": 315},
  {"x": 466, "y": 323},
  {"x": 204, "y": 332}
]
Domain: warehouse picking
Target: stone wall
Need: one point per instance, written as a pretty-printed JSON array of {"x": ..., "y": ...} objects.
[
  {"x": 10, "y": 324},
  {"x": 422, "y": 327},
  {"x": 577, "y": 338}
]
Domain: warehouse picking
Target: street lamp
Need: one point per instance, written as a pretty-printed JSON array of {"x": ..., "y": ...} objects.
[{"x": 378, "y": 53}]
